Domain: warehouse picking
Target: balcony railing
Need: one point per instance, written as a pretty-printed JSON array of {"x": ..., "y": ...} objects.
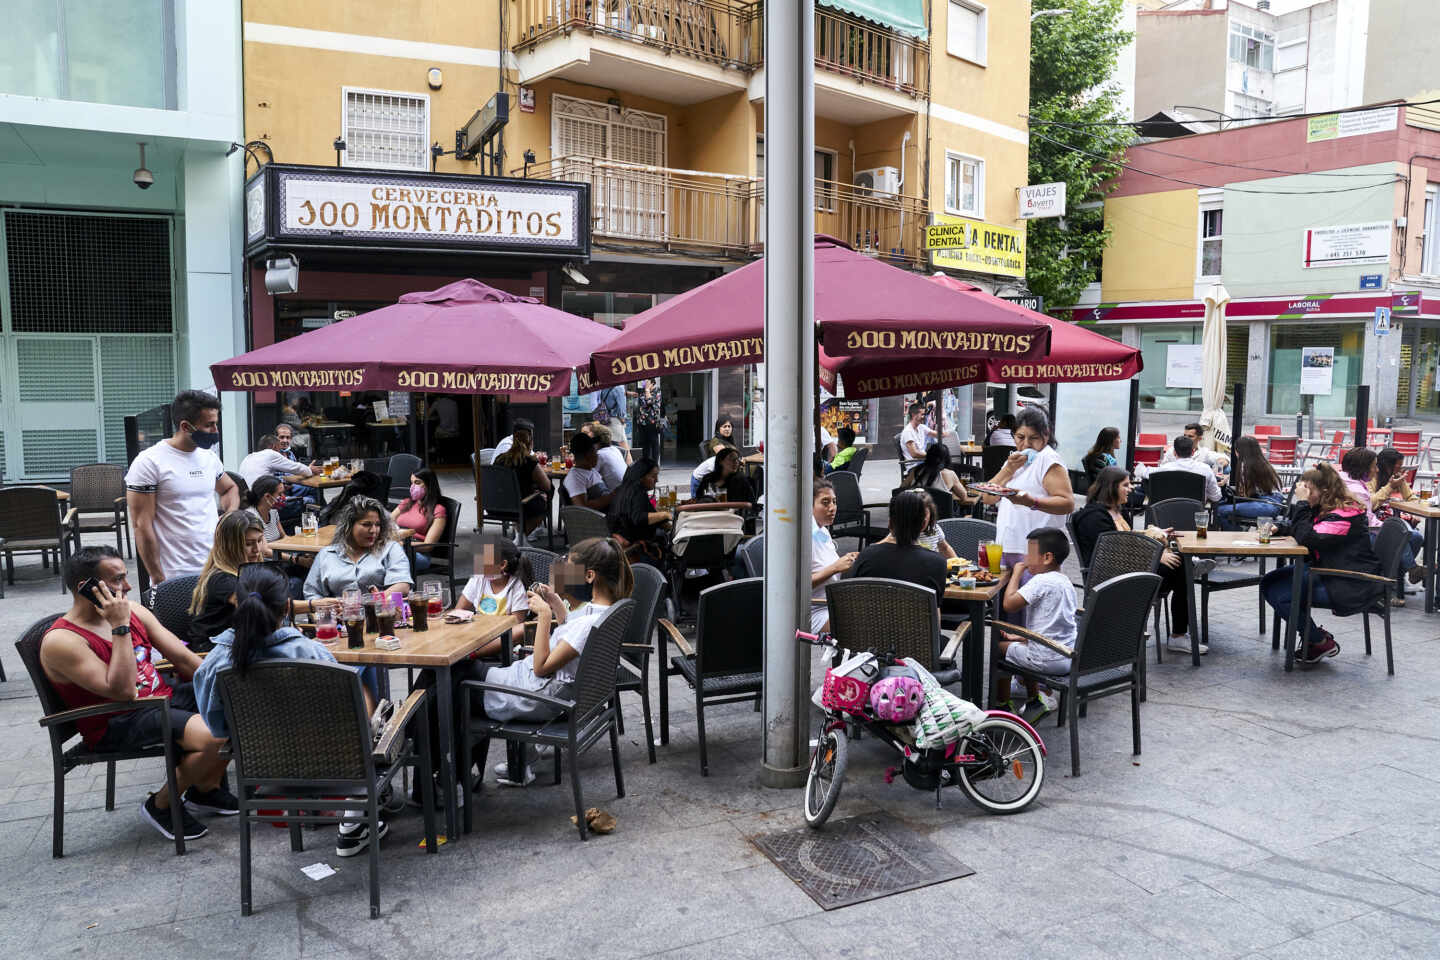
[
  {"x": 861, "y": 51},
  {"x": 885, "y": 225},
  {"x": 661, "y": 205},
  {"x": 712, "y": 30}
]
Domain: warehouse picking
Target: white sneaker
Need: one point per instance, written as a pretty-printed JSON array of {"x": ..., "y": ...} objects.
[
  {"x": 502, "y": 774},
  {"x": 1181, "y": 644}
]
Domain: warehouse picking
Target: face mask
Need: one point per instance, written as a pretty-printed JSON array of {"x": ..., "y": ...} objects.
[
  {"x": 583, "y": 592},
  {"x": 204, "y": 439},
  {"x": 1030, "y": 454},
  {"x": 417, "y": 492}
]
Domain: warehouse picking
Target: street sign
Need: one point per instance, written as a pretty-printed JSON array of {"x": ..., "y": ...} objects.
[
  {"x": 1382, "y": 321},
  {"x": 1042, "y": 200},
  {"x": 1372, "y": 281},
  {"x": 1028, "y": 301}
]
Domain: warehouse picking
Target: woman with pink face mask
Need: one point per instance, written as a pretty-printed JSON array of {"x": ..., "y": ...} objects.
[{"x": 422, "y": 512}]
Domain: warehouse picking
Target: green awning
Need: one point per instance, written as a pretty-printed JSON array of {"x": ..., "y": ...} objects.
[{"x": 902, "y": 16}]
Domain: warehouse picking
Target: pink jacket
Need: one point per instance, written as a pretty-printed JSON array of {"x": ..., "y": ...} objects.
[{"x": 1361, "y": 492}]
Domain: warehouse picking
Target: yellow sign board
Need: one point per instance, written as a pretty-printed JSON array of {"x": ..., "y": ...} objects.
[{"x": 961, "y": 244}]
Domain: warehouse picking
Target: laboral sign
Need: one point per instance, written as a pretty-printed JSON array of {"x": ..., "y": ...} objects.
[
  {"x": 338, "y": 207},
  {"x": 960, "y": 244},
  {"x": 1348, "y": 245}
]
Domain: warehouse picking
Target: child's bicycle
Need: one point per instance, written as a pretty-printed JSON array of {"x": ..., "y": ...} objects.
[{"x": 998, "y": 760}]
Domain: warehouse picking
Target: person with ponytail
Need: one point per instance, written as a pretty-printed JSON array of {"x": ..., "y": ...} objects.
[
  {"x": 263, "y": 501},
  {"x": 258, "y": 633}
]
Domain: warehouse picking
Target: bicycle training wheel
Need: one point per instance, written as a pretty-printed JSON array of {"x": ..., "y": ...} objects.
[
  {"x": 1016, "y": 768},
  {"x": 827, "y": 775}
]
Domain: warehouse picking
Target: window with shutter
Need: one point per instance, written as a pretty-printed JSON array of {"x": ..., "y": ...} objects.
[{"x": 386, "y": 129}]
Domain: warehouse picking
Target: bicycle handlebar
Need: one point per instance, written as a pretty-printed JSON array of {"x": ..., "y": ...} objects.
[{"x": 815, "y": 639}]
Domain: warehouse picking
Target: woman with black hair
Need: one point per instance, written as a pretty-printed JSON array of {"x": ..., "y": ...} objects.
[
  {"x": 423, "y": 513},
  {"x": 633, "y": 518},
  {"x": 258, "y": 633},
  {"x": 900, "y": 556},
  {"x": 934, "y": 473},
  {"x": 1254, "y": 482},
  {"x": 1101, "y": 455},
  {"x": 262, "y": 501},
  {"x": 725, "y": 481},
  {"x": 724, "y": 437}
]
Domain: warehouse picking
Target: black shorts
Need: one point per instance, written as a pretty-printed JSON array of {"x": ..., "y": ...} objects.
[{"x": 135, "y": 731}]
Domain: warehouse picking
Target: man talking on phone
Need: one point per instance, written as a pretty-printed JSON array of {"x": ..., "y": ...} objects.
[{"x": 103, "y": 650}]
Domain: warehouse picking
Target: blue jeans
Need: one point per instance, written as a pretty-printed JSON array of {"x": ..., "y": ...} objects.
[
  {"x": 422, "y": 562},
  {"x": 1275, "y": 586},
  {"x": 1268, "y": 506},
  {"x": 1414, "y": 546}
]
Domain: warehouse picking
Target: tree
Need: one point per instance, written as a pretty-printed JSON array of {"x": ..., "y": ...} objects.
[{"x": 1072, "y": 99}]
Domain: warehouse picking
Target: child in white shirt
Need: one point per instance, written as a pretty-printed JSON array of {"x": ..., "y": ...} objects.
[
  {"x": 1046, "y": 595},
  {"x": 499, "y": 588}
]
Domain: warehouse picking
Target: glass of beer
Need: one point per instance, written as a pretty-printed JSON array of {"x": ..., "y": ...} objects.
[
  {"x": 1202, "y": 524},
  {"x": 309, "y": 524},
  {"x": 1264, "y": 529}
]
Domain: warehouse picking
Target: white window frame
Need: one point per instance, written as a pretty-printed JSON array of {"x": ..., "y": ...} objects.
[
  {"x": 953, "y": 156},
  {"x": 345, "y": 161},
  {"x": 980, "y": 56},
  {"x": 1430, "y": 243},
  {"x": 1210, "y": 200},
  {"x": 825, "y": 199}
]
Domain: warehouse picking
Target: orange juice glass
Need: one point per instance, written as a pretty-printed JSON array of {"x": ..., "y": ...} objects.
[{"x": 993, "y": 551}]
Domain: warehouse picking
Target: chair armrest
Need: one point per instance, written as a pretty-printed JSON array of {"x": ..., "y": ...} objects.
[
  {"x": 952, "y": 649},
  {"x": 103, "y": 709},
  {"x": 875, "y": 506},
  {"x": 1058, "y": 647},
  {"x": 1351, "y": 574},
  {"x": 718, "y": 505},
  {"x": 400, "y": 719},
  {"x": 677, "y": 637},
  {"x": 527, "y": 694},
  {"x": 638, "y": 647},
  {"x": 70, "y": 517}
]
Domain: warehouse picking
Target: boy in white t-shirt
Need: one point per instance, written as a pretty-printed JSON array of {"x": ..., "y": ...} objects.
[
  {"x": 583, "y": 482},
  {"x": 1046, "y": 595}
]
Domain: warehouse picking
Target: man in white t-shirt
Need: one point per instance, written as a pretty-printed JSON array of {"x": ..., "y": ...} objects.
[
  {"x": 611, "y": 459},
  {"x": 584, "y": 482},
  {"x": 1047, "y": 597},
  {"x": 170, "y": 490},
  {"x": 269, "y": 459},
  {"x": 1217, "y": 462},
  {"x": 915, "y": 438},
  {"x": 1185, "y": 460}
]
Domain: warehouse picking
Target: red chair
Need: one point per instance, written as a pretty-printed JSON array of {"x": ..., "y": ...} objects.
[
  {"x": 1406, "y": 441},
  {"x": 1153, "y": 440},
  {"x": 1317, "y": 450},
  {"x": 1282, "y": 450},
  {"x": 1267, "y": 430},
  {"x": 1148, "y": 455}
]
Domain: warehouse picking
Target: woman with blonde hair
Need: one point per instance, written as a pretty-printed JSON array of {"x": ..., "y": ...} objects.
[{"x": 1329, "y": 521}]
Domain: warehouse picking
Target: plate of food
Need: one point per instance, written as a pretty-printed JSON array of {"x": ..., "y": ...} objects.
[{"x": 993, "y": 489}]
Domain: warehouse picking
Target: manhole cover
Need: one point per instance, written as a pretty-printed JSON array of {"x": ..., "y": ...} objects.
[{"x": 857, "y": 859}]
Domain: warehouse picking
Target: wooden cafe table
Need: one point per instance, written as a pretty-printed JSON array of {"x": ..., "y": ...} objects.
[
  {"x": 297, "y": 542},
  {"x": 1431, "y": 515},
  {"x": 972, "y": 658},
  {"x": 438, "y": 648},
  {"x": 1242, "y": 543}
]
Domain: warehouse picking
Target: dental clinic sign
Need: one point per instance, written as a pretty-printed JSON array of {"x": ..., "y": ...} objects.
[{"x": 337, "y": 207}]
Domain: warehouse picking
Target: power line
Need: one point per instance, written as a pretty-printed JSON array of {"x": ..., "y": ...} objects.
[
  {"x": 1210, "y": 186},
  {"x": 1246, "y": 120}
]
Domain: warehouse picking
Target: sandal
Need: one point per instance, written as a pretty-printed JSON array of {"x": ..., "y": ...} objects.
[{"x": 1397, "y": 601}]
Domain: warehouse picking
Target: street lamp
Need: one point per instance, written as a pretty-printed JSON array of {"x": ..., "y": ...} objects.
[{"x": 1056, "y": 12}]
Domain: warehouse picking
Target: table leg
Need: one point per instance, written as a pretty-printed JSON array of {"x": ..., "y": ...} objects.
[
  {"x": 447, "y": 750},
  {"x": 1432, "y": 535},
  {"x": 1297, "y": 610},
  {"x": 1189, "y": 569},
  {"x": 972, "y": 657}
]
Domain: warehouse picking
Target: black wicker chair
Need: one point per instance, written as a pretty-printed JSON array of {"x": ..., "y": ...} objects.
[
  {"x": 851, "y": 517},
  {"x": 500, "y": 498},
  {"x": 170, "y": 602},
  {"x": 583, "y": 523},
  {"x": 900, "y": 457},
  {"x": 1106, "y": 657},
  {"x": 752, "y": 555},
  {"x": 1180, "y": 514},
  {"x": 1164, "y": 485},
  {"x": 31, "y": 522},
  {"x": 1389, "y": 545},
  {"x": 300, "y": 733},
  {"x": 401, "y": 466},
  {"x": 897, "y": 616},
  {"x": 857, "y": 462},
  {"x": 60, "y": 720},
  {"x": 1117, "y": 553},
  {"x": 380, "y": 465},
  {"x": 729, "y": 667},
  {"x": 540, "y": 562},
  {"x": 635, "y": 651},
  {"x": 964, "y": 535},
  {"x": 99, "y": 488},
  {"x": 579, "y": 722},
  {"x": 442, "y": 554}
]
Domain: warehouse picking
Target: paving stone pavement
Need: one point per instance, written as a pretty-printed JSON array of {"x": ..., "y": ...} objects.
[{"x": 1271, "y": 815}]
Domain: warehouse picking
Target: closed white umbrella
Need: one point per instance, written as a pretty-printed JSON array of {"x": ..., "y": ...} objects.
[{"x": 1212, "y": 340}]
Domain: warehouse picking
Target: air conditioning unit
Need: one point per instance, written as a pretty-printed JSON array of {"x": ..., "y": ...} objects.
[{"x": 877, "y": 180}]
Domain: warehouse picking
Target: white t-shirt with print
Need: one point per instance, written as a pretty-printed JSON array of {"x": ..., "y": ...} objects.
[
  {"x": 185, "y": 511},
  {"x": 916, "y": 435},
  {"x": 1050, "y": 611},
  {"x": 486, "y": 599},
  {"x": 580, "y": 479}
]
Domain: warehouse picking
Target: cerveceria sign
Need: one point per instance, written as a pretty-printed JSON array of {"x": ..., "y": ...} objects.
[{"x": 337, "y": 207}]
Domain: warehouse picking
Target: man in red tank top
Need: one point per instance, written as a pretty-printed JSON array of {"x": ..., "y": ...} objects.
[{"x": 105, "y": 650}]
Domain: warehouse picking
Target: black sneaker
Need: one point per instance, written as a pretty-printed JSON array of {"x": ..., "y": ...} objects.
[
  {"x": 355, "y": 842},
  {"x": 218, "y": 801},
  {"x": 161, "y": 820}
]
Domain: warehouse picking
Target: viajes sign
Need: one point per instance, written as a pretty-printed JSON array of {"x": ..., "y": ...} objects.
[{"x": 337, "y": 207}]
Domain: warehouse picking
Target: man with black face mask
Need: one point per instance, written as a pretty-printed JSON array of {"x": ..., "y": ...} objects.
[{"x": 171, "y": 488}]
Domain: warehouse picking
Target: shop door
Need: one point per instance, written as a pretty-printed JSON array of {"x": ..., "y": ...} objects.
[
  {"x": 56, "y": 410},
  {"x": 630, "y": 194}
]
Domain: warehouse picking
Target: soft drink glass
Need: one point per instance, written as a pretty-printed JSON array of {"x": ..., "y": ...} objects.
[
  {"x": 326, "y": 630},
  {"x": 1202, "y": 524}
]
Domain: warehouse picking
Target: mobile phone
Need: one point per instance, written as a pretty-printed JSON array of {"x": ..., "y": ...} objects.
[{"x": 87, "y": 590}]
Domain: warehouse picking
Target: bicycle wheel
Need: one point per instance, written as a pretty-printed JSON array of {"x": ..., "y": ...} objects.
[
  {"x": 827, "y": 775},
  {"x": 1010, "y": 767}
]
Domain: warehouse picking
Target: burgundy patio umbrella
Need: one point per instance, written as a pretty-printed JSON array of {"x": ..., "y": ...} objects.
[
  {"x": 865, "y": 311},
  {"x": 466, "y": 338}
]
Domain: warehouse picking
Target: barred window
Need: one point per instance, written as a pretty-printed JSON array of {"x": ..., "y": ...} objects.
[{"x": 384, "y": 129}]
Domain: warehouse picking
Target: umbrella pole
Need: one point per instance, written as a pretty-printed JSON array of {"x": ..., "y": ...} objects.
[
  {"x": 425, "y": 430},
  {"x": 475, "y": 462}
]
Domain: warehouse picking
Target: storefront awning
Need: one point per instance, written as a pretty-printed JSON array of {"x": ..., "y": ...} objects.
[{"x": 902, "y": 16}]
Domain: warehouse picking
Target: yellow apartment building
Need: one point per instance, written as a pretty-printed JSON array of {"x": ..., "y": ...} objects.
[{"x": 658, "y": 107}]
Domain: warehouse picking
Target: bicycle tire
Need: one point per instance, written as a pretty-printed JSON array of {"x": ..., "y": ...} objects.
[
  {"x": 831, "y": 754},
  {"x": 1020, "y": 747}
]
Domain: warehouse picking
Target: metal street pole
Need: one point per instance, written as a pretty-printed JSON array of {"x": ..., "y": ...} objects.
[{"x": 789, "y": 378}]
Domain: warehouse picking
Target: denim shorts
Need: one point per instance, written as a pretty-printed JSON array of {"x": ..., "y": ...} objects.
[{"x": 143, "y": 728}]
